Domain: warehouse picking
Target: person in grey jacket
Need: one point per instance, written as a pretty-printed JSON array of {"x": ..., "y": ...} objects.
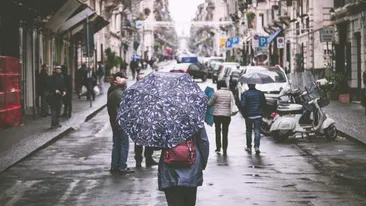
[
  {"x": 180, "y": 184},
  {"x": 221, "y": 101}
]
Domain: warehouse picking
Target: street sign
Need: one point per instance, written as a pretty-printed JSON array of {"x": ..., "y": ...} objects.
[
  {"x": 235, "y": 40},
  {"x": 327, "y": 35},
  {"x": 139, "y": 24},
  {"x": 262, "y": 41},
  {"x": 229, "y": 44},
  {"x": 222, "y": 42},
  {"x": 272, "y": 36},
  {"x": 280, "y": 42}
]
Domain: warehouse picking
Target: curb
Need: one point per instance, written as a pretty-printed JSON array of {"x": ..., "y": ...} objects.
[
  {"x": 351, "y": 139},
  {"x": 56, "y": 138}
]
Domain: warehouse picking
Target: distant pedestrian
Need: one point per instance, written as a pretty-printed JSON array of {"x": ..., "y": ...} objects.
[
  {"x": 90, "y": 82},
  {"x": 67, "y": 99},
  {"x": 57, "y": 91},
  {"x": 101, "y": 74},
  {"x": 253, "y": 102},
  {"x": 43, "y": 89},
  {"x": 120, "y": 138},
  {"x": 221, "y": 101},
  {"x": 80, "y": 79},
  {"x": 139, "y": 67},
  {"x": 133, "y": 67},
  {"x": 180, "y": 183}
]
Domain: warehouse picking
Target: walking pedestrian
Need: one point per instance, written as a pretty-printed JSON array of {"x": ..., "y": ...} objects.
[
  {"x": 43, "y": 89},
  {"x": 90, "y": 82},
  {"x": 80, "y": 79},
  {"x": 120, "y": 138},
  {"x": 67, "y": 99},
  {"x": 133, "y": 67},
  {"x": 149, "y": 161},
  {"x": 221, "y": 101},
  {"x": 139, "y": 67},
  {"x": 101, "y": 74},
  {"x": 180, "y": 183},
  {"x": 57, "y": 91},
  {"x": 253, "y": 102}
]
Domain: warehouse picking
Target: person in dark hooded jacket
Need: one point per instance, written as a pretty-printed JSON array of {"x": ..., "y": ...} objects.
[{"x": 180, "y": 184}]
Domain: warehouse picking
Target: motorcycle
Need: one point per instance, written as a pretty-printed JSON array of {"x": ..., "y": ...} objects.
[{"x": 305, "y": 115}]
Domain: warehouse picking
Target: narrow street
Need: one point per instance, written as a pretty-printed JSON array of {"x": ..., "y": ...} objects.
[{"x": 75, "y": 171}]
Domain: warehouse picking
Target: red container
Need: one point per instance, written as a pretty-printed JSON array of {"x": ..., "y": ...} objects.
[
  {"x": 2, "y": 100},
  {"x": 9, "y": 82},
  {"x": 10, "y": 117},
  {"x": 12, "y": 99},
  {"x": 9, "y": 65}
]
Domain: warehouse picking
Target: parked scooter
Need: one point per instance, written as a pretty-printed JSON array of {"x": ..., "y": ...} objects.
[{"x": 307, "y": 117}]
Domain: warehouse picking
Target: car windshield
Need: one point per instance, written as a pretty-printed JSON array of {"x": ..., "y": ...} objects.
[{"x": 277, "y": 75}]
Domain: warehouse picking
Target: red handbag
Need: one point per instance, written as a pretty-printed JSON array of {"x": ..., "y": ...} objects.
[{"x": 183, "y": 155}]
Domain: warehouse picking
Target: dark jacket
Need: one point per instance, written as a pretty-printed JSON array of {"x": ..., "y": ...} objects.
[
  {"x": 101, "y": 71},
  {"x": 187, "y": 177},
  {"x": 57, "y": 82},
  {"x": 42, "y": 82},
  {"x": 253, "y": 102},
  {"x": 80, "y": 75},
  {"x": 90, "y": 82},
  {"x": 114, "y": 99}
]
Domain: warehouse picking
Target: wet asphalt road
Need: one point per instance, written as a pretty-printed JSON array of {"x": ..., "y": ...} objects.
[{"x": 74, "y": 171}]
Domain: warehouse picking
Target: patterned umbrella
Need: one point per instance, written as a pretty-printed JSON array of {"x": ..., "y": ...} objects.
[{"x": 162, "y": 110}]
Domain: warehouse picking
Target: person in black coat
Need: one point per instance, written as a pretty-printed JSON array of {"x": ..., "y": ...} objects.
[
  {"x": 57, "y": 91},
  {"x": 79, "y": 78},
  {"x": 90, "y": 83},
  {"x": 67, "y": 99},
  {"x": 42, "y": 89}
]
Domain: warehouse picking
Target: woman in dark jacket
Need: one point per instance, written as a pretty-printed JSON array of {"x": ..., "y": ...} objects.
[{"x": 180, "y": 184}]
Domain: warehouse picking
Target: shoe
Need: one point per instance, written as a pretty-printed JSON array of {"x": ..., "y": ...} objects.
[
  {"x": 114, "y": 171},
  {"x": 151, "y": 163},
  {"x": 58, "y": 125},
  {"x": 126, "y": 171},
  {"x": 217, "y": 150},
  {"x": 248, "y": 149},
  {"x": 53, "y": 126},
  {"x": 138, "y": 165},
  {"x": 257, "y": 151},
  {"x": 64, "y": 115}
]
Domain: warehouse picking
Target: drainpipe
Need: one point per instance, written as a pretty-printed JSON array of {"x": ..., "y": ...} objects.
[{"x": 362, "y": 22}]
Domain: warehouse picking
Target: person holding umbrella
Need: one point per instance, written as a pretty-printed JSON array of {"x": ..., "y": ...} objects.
[
  {"x": 167, "y": 111},
  {"x": 253, "y": 102},
  {"x": 120, "y": 138}
]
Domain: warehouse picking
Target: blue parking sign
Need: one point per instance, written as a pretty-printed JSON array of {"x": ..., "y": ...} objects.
[
  {"x": 235, "y": 40},
  {"x": 229, "y": 44},
  {"x": 262, "y": 41}
]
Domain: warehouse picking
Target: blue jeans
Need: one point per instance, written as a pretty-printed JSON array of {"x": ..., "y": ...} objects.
[
  {"x": 249, "y": 125},
  {"x": 120, "y": 149}
]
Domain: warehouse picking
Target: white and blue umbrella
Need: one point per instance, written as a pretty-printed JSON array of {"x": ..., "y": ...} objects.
[
  {"x": 162, "y": 110},
  {"x": 256, "y": 78}
]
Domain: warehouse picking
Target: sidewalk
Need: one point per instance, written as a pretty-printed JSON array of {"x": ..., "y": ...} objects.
[
  {"x": 20, "y": 141},
  {"x": 350, "y": 119}
]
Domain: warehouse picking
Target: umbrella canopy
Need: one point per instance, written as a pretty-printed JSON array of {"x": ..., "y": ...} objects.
[
  {"x": 256, "y": 78},
  {"x": 162, "y": 110}
]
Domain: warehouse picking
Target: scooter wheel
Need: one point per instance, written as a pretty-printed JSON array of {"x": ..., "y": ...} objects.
[
  {"x": 331, "y": 132},
  {"x": 265, "y": 128}
]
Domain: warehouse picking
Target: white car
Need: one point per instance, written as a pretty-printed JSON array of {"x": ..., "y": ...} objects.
[{"x": 272, "y": 89}]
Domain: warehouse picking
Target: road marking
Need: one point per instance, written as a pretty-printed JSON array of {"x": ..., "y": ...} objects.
[
  {"x": 68, "y": 192},
  {"x": 17, "y": 191}
]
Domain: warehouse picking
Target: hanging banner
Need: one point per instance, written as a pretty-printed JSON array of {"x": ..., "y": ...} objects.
[
  {"x": 280, "y": 42},
  {"x": 222, "y": 42}
]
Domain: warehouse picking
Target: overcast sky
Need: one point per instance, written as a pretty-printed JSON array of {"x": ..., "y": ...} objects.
[{"x": 183, "y": 11}]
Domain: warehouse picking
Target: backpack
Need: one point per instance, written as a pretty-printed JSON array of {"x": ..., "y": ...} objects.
[{"x": 183, "y": 155}]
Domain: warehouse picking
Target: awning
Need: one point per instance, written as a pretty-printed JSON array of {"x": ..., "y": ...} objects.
[
  {"x": 96, "y": 20},
  {"x": 86, "y": 13},
  {"x": 65, "y": 12},
  {"x": 331, "y": 24}
]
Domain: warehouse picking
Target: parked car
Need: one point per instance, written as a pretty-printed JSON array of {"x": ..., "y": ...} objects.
[
  {"x": 271, "y": 90},
  {"x": 215, "y": 72},
  {"x": 211, "y": 64},
  {"x": 196, "y": 70},
  {"x": 227, "y": 69}
]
